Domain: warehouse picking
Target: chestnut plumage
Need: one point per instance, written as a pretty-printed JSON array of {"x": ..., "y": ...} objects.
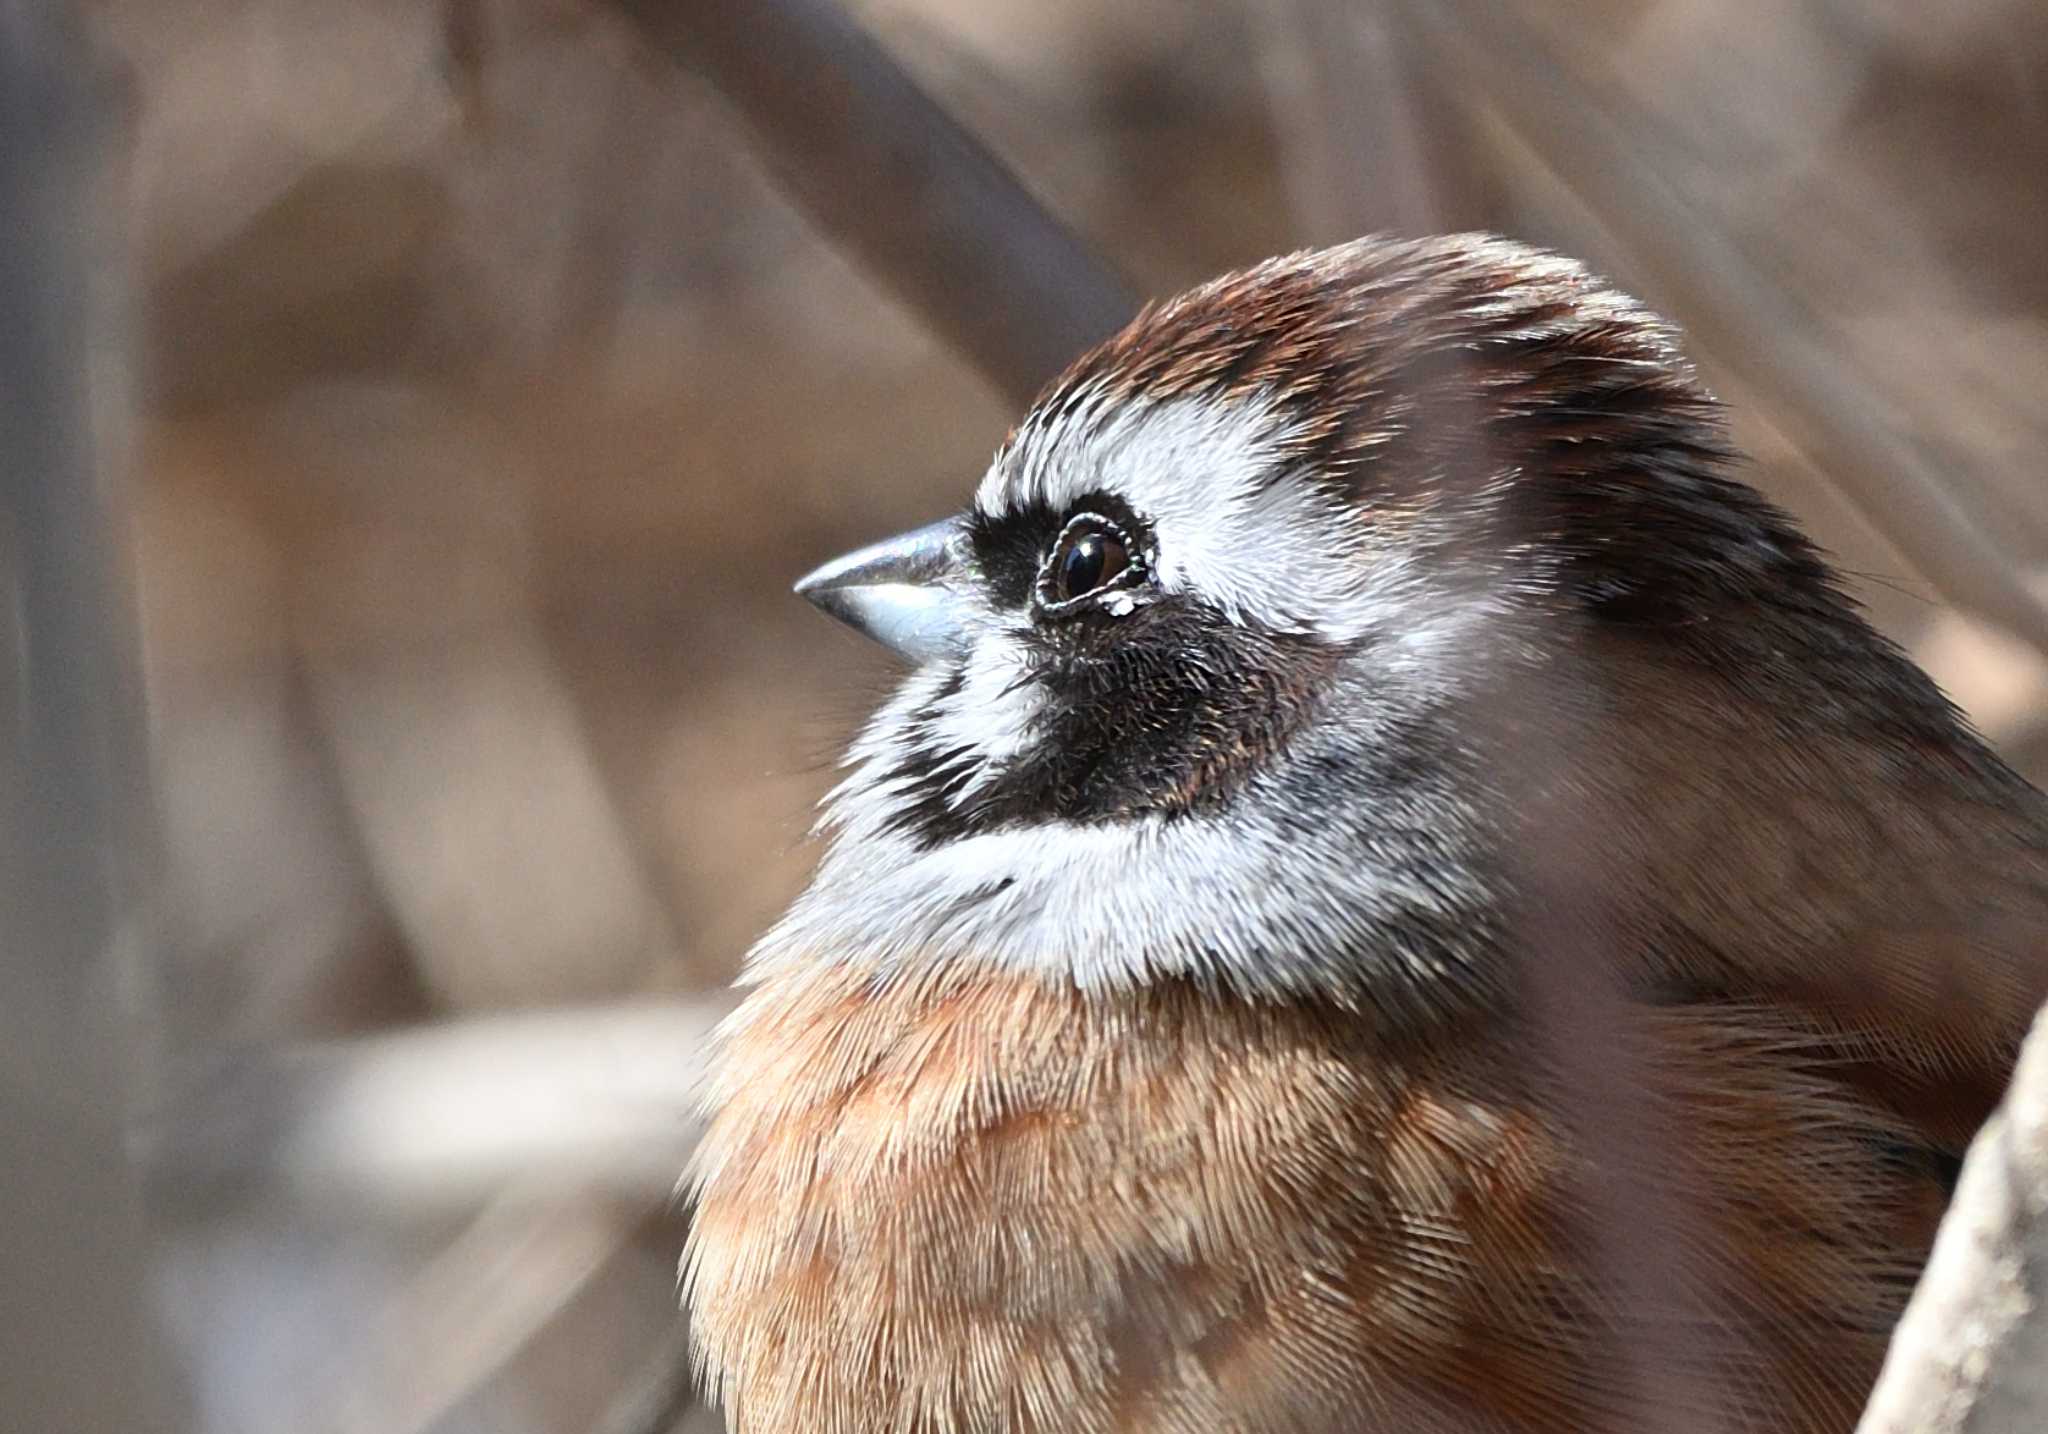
[{"x": 1398, "y": 894}]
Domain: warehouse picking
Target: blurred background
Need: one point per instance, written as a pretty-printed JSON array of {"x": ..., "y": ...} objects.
[{"x": 417, "y": 410}]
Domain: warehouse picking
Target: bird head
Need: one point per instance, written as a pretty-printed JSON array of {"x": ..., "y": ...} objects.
[{"x": 1266, "y": 620}]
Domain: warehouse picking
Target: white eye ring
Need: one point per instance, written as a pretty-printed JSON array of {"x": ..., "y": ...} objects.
[{"x": 1119, "y": 564}]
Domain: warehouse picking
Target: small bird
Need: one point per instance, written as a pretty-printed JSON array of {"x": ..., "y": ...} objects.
[{"x": 1397, "y": 895}]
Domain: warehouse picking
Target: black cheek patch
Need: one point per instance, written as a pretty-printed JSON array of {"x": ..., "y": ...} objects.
[{"x": 1170, "y": 710}]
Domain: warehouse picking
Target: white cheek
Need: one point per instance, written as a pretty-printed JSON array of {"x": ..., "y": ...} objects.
[
  {"x": 995, "y": 712},
  {"x": 863, "y": 794},
  {"x": 877, "y": 740}
]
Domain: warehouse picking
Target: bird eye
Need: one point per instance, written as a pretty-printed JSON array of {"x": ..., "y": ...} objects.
[{"x": 1092, "y": 554}]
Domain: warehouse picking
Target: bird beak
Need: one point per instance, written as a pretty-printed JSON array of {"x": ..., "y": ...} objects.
[{"x": 903, "y": 591}]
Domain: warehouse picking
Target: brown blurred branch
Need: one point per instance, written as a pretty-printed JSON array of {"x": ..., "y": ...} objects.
[
  {"x": 1591, "y": 136},
  {"x": 890, "y": 175},
  {"x": 1367, "y": 139},
  {"x": 469, "y": 1311},
  {"x": 448, "y": 1116},
  {"x": 1971, "y": 1354},
  {"x": 483, "y": 814},
  {"x": 661, "y": 1395},
  {"x": 80, "y": 1351}
]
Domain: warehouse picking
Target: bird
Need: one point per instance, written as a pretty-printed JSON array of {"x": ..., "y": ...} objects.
[{"x": 1396, "y": 893}]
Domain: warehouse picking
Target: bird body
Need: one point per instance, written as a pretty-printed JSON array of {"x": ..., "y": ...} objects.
[
  {"x": 986, "y": 1203},
  {"x": 1397, "y": 896}
]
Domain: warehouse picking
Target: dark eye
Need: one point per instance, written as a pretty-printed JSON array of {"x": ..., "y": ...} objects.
[{"x": 1092, "y": 554}]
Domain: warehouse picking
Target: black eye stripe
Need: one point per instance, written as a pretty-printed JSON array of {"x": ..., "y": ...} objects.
[
  {"x": 1011, "y": 548},
  {"x": 1009, "y": 552}
]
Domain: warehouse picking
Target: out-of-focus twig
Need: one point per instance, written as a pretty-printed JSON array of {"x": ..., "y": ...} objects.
[
  {"x": 485, "y": 818},
  {"x": 1733, "y": 305},
  {"x": 661, "y": 1395},
  {"x": 79, "y": 1351},
  {"x": 469, "y": 1310},
  {"x": 465, "y": 46},
  {"x": 443, "y": 1118},
  {"x": 1641, "y": 1230},
  {"x": 1359, "y": 135},
  {"x": 890, "y": 175},
  {"x": 1971, "y": 1354}
]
